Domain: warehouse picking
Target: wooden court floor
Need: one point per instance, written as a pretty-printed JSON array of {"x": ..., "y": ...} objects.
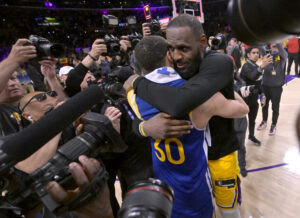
[{"x": 272, "y": 187}]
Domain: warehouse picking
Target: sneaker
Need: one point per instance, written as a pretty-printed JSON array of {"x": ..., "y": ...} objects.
[
  {"x": 272, "y": 130},
  {"x": 244, "y": 172},
  {"x": 254, "y": 140},
  {"x": 262, "y": 125}
]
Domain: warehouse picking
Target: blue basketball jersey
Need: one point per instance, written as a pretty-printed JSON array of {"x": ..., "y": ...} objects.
[{"x": 180, "y": 162}]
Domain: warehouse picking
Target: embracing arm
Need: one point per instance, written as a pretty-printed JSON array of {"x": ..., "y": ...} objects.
[{"x": 216, "y": 71}]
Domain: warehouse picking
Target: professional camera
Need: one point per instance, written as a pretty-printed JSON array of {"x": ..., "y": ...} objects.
[
  {"x": 155, "y": 27},
  {"x": 113, "y": 45},
  {"x": 45, "y": 48},
  {"x": 134, "y": 39},
  {"x": 218, "y": 42},
  {"x": 274, "y": 20},
  {"x": 99, "y": 136},
  {"x": 110, "y": 85},
  {"x": 149, "y": 198}
]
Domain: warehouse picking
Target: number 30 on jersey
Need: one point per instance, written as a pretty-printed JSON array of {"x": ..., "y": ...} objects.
[{"x": 161, "y": 155}]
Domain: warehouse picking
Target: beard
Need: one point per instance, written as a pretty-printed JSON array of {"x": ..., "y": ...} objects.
[{"x": 191, "y": 69}]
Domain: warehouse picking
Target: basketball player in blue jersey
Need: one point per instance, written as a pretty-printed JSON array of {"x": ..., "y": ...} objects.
[{"x": 181, "y": 162}]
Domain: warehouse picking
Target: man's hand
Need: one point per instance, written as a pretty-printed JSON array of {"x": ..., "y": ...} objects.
[
  {"x": 48, "y": 68},
  {"x": 114, "y": 115},
  {"x": 267, "y": 59},
  {"x": 83, "y": 174},
  {"x": 163, "y": 126},
  {"x": 21, "y": 53},
  {"x": 128, "y": 85},
  {"x": 163, "y": 27},
  {"x": 98, "y": 48},
  {"x": 146, "y": 29}
]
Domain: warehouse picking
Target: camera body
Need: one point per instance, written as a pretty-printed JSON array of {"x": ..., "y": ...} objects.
[
  {"x": 45, "y": 48},
  {"x": 218, "y": 42},
  {"x": 113, "y": 45},
  {"x": 134, "y": 39},
  {"x": 154, "y": 26}
]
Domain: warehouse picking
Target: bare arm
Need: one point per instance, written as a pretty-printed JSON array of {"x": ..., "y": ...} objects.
[
  {"x": 18, "y": 54},
  {"x": 40, "y": 157},
  {"x": 218, "y": 105},
  {"x": 48, "y": 70}
]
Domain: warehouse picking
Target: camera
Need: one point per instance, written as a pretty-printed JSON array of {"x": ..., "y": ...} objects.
[
  {"x": 148, "y": 198},
  {"x": 110, "y": 85},
  {"x": 154, "y": 26},
  {"x": 134, "y": 39},
  {"x": 99, "y": 136},
  {"x": 218, "y": 42},
  {"x": 113, "y": 45},
  {"x": 45, "y": 48}
]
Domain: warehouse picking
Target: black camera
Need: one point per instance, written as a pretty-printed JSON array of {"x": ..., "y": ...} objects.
[
  {"x": 113, "y": 45},
  {"x": 45, "y": 48},
  {"x": 99, "y": 136},
  {"x": 218, "y": 42},
  {"x": 110, "y": 85},
  {"x": 154, "y": 26},
  {"x": 149, "y": 198},
  {"x": 134, "y": 39}
]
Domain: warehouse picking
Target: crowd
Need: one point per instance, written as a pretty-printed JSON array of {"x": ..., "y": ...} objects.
[{"x": 183, "y": 122}]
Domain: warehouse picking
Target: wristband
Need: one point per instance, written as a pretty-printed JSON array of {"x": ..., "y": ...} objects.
[
  {"x": 141, "y": 129},
  {"x": 93, "y": 58}
]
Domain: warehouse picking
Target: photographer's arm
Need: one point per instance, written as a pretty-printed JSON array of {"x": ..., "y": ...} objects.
[
  {"x": 18, "y": 55},
  {"x": 77, "y": 75},
  {"x": 282, "y": 52},
  {"x": 250, "y": 73},
  {"x": 215, "y": 72},
  {"x": 83, "y": 174}
]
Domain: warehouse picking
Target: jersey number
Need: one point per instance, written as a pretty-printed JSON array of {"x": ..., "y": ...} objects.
[{"x": 160, "y": 154}]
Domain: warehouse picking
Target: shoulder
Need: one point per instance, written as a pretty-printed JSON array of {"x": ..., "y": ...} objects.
[{"x": 217, "y": 58}]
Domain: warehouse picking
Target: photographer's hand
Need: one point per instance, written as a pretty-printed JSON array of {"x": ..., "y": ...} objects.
[
  {"x": 163, "y": 126},
  {"x": 125, "y": 44},
  {"x": 83, "y": 174},
  {"x": 114, "y": 115},
  {"x": 21, "y": 53},
  {"x": 98, "y": 48},
  {"x": 146, "y": 30},
  {"x": 267, "y": 59},
  {"x": 48, "y": 71}
]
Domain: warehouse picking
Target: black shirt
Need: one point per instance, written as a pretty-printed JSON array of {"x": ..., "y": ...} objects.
[
  {"x": 215, "y": 74},
  {"x": 10, "y": 119}
]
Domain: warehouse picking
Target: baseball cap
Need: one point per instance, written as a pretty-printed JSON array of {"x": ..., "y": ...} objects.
[{"x": 65, "y": 70}]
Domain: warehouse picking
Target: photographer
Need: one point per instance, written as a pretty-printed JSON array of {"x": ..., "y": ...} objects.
[
  {"x": 11, "y": 90},
  {"x": 251, "y": 73},
  {"x": 273, "y": 80},
  {"x": 77, "y": 74}
]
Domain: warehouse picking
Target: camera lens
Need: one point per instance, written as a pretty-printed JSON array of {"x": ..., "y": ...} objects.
[
  {"x": 274, "y": 20},
  {"x": 150, "y": 198}
]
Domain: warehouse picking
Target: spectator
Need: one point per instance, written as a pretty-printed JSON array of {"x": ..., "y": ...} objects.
[
  {"x": 236, "y": 53},
  {"x": 293, "y": 49}
]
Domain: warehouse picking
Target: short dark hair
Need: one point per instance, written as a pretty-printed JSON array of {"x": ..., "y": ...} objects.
[
  {"x": 151, "y": 52},
  {"x": 251, "y": 48},
  {"x": 186, "y": 20}
]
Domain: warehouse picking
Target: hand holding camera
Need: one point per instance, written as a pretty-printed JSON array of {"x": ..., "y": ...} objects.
[
  {"x": 98, "y": 48},
  {"x": 83, "y": 173},
  {"x": 146, "y": 30},
  {"x": 267, "y": 59},
  {"x": 22, "y": 52},
  {"x": 48, "y": 68}
]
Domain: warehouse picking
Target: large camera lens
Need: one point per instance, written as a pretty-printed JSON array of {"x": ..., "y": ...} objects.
[
  {"x": 258, "y": 22},
  {"x": 150, "y": 198}
]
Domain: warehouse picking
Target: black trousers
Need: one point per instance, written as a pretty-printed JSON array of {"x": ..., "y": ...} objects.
[
  {"x": 252, "y": 103},
  {"x": 293, "y": 58},
  {"x": 240, "y": 127},
  {"x": 273, "y": 94}
]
